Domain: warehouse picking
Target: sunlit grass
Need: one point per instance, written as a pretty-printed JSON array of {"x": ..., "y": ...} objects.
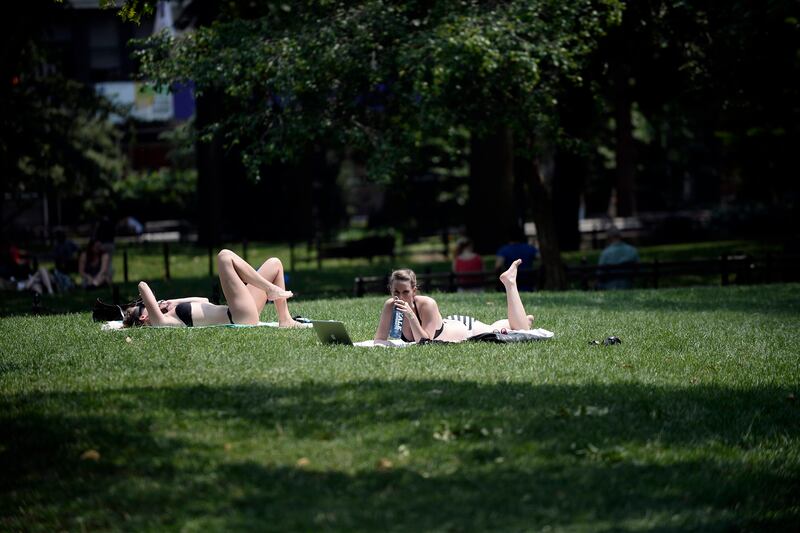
[{"x": 692, "y": 423}]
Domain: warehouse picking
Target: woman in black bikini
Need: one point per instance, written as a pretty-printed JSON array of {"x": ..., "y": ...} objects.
[
  {"x": 246, "y": 292},
  {"x": 422, "y": 319}
]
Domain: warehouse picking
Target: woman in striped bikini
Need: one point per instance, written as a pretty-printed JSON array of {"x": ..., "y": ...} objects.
[
  {"x": 422, "y": 319},
  {"x": 246, "y": 292}
]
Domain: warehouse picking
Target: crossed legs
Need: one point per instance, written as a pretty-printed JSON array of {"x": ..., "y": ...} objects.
[{"x": 247, "y": 290}]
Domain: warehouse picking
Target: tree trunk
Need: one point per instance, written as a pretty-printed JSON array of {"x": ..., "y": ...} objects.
[
  {"x": 491, "y": 210},
  {"x": 570, "y": 172},
  {"x": 209, "y": 162},
  {"x": 554, "y": 274},
  {"x": 626, "y": 164}
]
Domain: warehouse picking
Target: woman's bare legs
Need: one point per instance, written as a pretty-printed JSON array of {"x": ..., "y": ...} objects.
[
  {"x": 272, "y": 271},
  {"x": 45, "y": 279},
  {"x": 517, "y": 318},
  {"x": 234, "y": 272}
]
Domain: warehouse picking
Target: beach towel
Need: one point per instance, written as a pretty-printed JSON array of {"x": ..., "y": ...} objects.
[
  {"x": 117, "y": 324},
  {"x": 514, "y": 335}
]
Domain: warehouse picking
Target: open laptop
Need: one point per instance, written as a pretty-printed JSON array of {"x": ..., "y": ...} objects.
[{"x": 331, "y": 332}]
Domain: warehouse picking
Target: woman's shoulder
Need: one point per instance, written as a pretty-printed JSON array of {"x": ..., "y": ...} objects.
[{"x": 424, "y": 301}]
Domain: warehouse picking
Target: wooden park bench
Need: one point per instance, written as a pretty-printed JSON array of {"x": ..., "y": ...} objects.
[
  {"x": 728, "y": 268},
  {"x": 367, "y": 248}
]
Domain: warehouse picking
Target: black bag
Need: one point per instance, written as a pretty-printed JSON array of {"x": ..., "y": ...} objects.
[
  {"x": 103, "y": 312},
  {"x": 504, "y": 338}
]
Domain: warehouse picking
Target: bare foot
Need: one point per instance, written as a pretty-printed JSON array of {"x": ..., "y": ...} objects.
[
  {"x": 291, "y": 324},
  {"x": 277, "y": 294},
  {"x": 530, "y": 321},
  {"x": 509, "y": 277}
]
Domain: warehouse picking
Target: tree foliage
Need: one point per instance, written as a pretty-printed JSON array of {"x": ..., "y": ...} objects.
[
  {"x": 380, "y": 75},
  {"x": 54, "y": 132}
]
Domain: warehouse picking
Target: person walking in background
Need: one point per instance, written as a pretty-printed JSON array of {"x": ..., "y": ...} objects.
[
  {"x": 518, "y": 247},
  {"x": 616, "y": 253},
  {"x": 467, "y": 261}
]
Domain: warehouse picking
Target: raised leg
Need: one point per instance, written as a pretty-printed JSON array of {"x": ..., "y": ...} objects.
[
  {"x": 272, "y": 271},
  {"x": 234, "y": 272},
  {"x": 517, "y": 318}
]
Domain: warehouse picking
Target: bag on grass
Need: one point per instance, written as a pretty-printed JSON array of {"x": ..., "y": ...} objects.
[
  {"x": 504, "y": 338},
  {"x": 103, "y": 312}
]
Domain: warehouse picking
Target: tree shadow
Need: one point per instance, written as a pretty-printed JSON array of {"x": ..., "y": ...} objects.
[{"x": 481, "y": 456}]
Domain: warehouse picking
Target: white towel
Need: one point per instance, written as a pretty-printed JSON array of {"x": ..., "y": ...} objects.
[
  {"x": 117, "y": 324},
  {"x": 539, "y": 333},
  {"x": 391, "y": 343}
]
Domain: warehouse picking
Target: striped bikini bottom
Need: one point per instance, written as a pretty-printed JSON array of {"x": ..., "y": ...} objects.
[{"x": 468, "y": 321}]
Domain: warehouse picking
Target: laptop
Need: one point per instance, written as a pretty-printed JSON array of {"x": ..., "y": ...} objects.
[{"x": 331, "y": 332}]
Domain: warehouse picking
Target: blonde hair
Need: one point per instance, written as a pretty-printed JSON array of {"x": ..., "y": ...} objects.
[{"x": 404, "y": 274}]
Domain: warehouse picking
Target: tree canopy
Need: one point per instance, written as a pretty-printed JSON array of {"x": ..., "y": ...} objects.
[
  {"x": 381, "y": 75},
  {"x": 54, "y": 132}
]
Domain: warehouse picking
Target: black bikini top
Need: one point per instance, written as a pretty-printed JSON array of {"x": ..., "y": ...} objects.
[{"x": 184, "y": 312}]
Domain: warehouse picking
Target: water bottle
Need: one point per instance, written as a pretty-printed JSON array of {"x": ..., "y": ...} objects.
[{"x": 397, "y": 324}]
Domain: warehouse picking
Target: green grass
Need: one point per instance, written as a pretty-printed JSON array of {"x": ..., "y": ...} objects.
[
  {"x": 190, "y": 275},
  {"x": 692, "y": 423}
]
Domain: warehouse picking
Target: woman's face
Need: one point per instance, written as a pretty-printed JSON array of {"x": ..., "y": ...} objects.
[{"x": 404, "y": 290}]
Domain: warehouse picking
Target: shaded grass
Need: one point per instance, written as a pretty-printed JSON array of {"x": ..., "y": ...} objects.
[{"x": 692, "y": 423}]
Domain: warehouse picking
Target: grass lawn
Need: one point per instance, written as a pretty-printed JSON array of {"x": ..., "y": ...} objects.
[{"x": 692, "y": 423}]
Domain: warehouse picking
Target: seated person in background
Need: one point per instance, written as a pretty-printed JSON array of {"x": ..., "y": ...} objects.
[
  {"x": 518, "y": 248},
  {"x": 466, "y": 260},
  {"x": 16, "y": 270},
  {"x": 65, "y": 253},
  {"x": 617, "y": 252},
  {"x": 94, "y": 265}
]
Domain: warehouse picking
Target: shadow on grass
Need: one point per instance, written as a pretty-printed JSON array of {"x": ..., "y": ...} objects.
[{"x": 504, "y": 456}]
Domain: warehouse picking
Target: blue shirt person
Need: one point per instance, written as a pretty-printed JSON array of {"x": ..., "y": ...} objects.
[
  {"x": 518, "y": 248},
  {"x": 617, "y": 253}
]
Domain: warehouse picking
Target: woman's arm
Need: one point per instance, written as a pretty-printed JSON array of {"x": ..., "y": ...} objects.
[
  {"x": 431, "y": 317},
  {"x": 191, "y": 299},
  {"x": 427, "y": 328},
  {"x": 382, "y": 333},
  {"x": 102, "y": 274},
  {"x": 154, "y": 314},
  {"x": 82, "y": 264}
]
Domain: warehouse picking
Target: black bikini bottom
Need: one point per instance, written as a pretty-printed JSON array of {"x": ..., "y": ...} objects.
[{"x": 230, "y": 317}]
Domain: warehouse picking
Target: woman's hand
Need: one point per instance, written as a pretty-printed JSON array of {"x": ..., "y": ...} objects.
[{"x": 404, "y": 307}]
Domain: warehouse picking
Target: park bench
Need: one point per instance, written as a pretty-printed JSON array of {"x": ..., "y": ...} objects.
[
  {"x": 367, "y": 247},
  {"x": 444, "y": 281},
  {"x": 729, "y": 268}
]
